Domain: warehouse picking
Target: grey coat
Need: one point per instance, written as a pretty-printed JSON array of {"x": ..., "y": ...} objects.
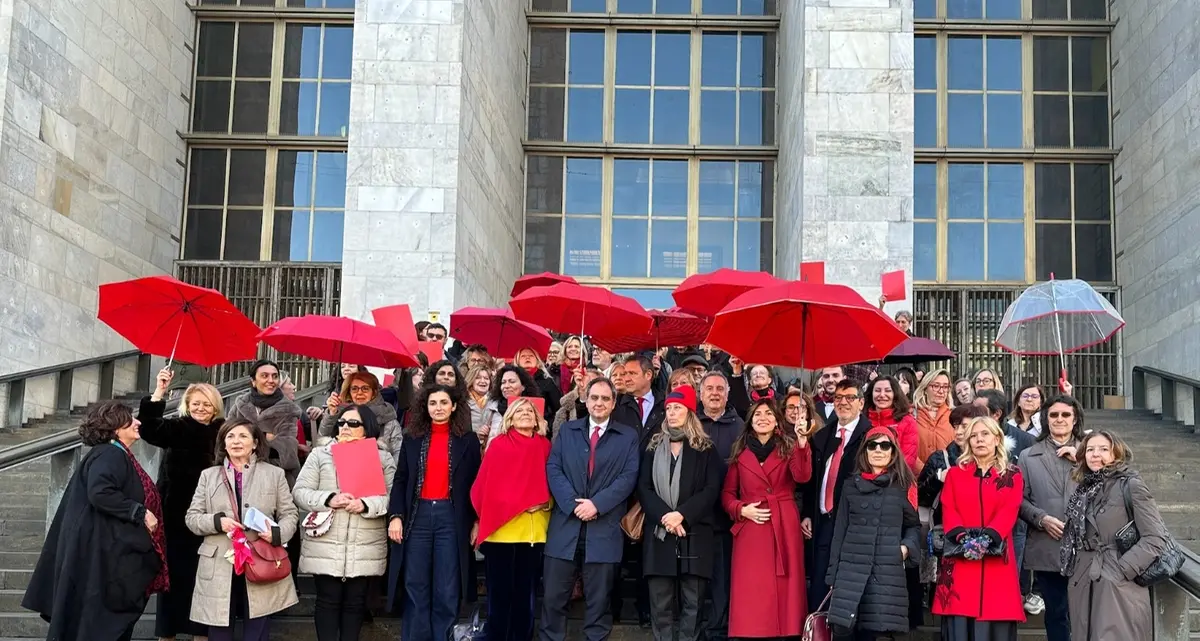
[
  {"x": 1105, "y": 603},
  {"x": 391, "y": 435},
  {"x": 1048, "y": 487},
  {"x": 281, "y": 420}
]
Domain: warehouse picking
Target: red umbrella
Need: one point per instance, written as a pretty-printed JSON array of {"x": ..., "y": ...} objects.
[
  {"x": 499, "y": 331},
  {"x": 807, "y": 325},
  {"x": 167, "y": 317},
  {"x": 578, "y": 309},
  {"x": 707, "y": 294},
  {"x": 673, "y": 327},
  {"x": 544, "y": 279},
  {"x": 338, "y": 340}
]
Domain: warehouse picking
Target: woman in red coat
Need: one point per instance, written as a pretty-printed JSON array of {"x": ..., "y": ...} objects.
[
  {"x": 888, "y": 406},
  {"x": 765, "y": 465},
  {"x": 980, "y": 501}
]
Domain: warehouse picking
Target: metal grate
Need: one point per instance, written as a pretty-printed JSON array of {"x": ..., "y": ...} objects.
[
  {"x": 267, "y": 292},
  {"x": 966, "y": 319}
]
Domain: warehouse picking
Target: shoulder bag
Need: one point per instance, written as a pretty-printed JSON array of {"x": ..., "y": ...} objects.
[
  {"x": 268, "y": 563},
  {"x": 633, "y": 521},
  {"x": 1164, "y": 567},
  {"x": 816, "y": 625}
]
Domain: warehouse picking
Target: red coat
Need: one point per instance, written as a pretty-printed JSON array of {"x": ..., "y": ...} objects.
[
  {"x": 758, "y": 606},
  {"x": 992, "y": 502},
  {"x": 906, "y": 432}
]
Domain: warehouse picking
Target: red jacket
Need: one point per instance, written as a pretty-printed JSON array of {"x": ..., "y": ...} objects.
[
  {"x": 987, "y": 589},
  {"x": 906, "y": 432}
]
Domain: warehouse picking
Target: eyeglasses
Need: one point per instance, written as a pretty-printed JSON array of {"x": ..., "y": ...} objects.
[
  {"x": 985, "y": 379},
  {"x": 1060, "y": 414},
  {"x": 941, "y": 387},
  {"x": 1031, "y": 397},
  {"x": 882, "y": 446},
  {"x": 845, "y": 398},
  {"x": 360, "y": 389},
  {"x": 349, "y": 423},
  {"x": 792, "y": 408}
]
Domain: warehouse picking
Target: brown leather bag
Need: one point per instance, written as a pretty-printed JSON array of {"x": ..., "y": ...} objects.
[{"x": 632, "y": 522}]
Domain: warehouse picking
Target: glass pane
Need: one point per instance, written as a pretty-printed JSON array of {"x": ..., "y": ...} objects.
[
  {"x": 1052, "y": 191},
  {"x": 544, "y": 184},
  {"x": 965, "y": 128},
  {"x": 339, "y": 43},
  {"x": 964, "y": 255},
  {"x": 760, "y": 7},
  {"x": 670, "y": 117},
  {"x": 585, "y": 115},
  {"x": 717, "y": 188},
  {"x": 202, "y": 234},
  {"x": 587, "y": 58},
  {"x": 547, "y": 55},
  {"x": 1091, "y": 121},
  {"x": 752, "y": 191},
  {"x": 1006, "y": 192},
  {"x": 925, "y": 251},
  {"x": 925, "y": 62},
  {"x": 966, "y": 191},
  {"x": 633, "y": 58},
  {"x": 1050, "y": 64},
  {"x": 965, "y": 64},
  {"x": 1053, "y": 251},
  {"x": 720, "y": 7},
  {"x": 327, "y": 236},
  {"x": 672, "y": 56},
  {"x": 1004, "y": 9},
  {"x": 718, "y": 60},
  {"x": 289, "y": 239},
  {"x": 1092, "y": 189},
  {"x": 629, "y": 247},
  {"x": 925, "y": 121},
  {"x": 631, "y": 116},
  {"x": 1004, "y": 64},
  {"x": 754, "y": 246},
  {"x": 1088, "y": 10},
  {"x": 211, "y": 111},
  {"x": 1006, "y": 251},
  {"x": 331, "y": 180},
  {"x": 247, "y": 173},
  {"x": 298, "y": 108},
  {"x": 673, "y": 6},
  {"x": 1051, "y": 121},
  {"x": 1089, "y": 64},
  {"x": 1093, "y": 252},
  {"x": 648, "y": 297},
  {"x": 255, "y": 40},
  {"x": 1050, "y": 9},
  {"x": 635, "y": 6},
  {"x": 335, "y": 109},
  {"x": 925, "y": 191},
  {"x": 924, "y": 8},
  {"x": 543, "y": 236},
  {"x": 757, "y": 117},
  {"x": 582, "y": 247},
  {"x": 718, "y": 117},
  {"x": 546, "y": 116},
  {"x": 768, "y": 189},
  {"x": 583, "y": 186},
  {"x": 587, "y": 6},
  {"x": 550, "y": 5},
  {"x": 716, "y": 245},
  {"x": 243, "y": 234},
  {"x": 206, "y": 185},
  {"x": 670, "y": 188},
  {"x": 251, "y": 100},
  {"x": 631, "y": 187},
  {"x": 758, "y": 60},
  {"x": 293, "y": 179},
  {"x": 668, "y": 249},
  {"x": 1004, "y": 128},
  {"x": 214, "y": 50},
  {"x": 963, "y": 9}
]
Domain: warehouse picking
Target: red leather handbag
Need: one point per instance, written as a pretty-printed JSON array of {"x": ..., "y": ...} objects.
[
  {"x": 270, "y": 564},
  {"x": 816, "y": 625}
]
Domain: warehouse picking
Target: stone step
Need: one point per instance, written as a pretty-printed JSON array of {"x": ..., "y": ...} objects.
[
  {"x": 10, "y": 560},
  {"x": 21, "y": 527}
]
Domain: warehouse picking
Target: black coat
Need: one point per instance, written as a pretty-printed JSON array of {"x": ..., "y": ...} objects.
[
  {"x": 723, "y": 432},
  {"x": 824, "y": 443},
  {"x": 700, "y": 481},
  {"x": 627, "y": 412},
  {"x": 91, "y": 578},
  {"x": 190, "y": 447},
  {"x": 550, "y": 392},
  {"x": 465, "y": 457},
  {"x": 866, "y": 568}
]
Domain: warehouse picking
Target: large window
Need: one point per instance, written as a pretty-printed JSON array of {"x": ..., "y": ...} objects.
[
  {"x": 651, "y": 146},
  {"x": 270, "y": 113}
]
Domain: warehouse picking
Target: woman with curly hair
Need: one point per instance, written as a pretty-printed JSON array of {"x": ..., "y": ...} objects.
[{"x": 510, "y": 382}]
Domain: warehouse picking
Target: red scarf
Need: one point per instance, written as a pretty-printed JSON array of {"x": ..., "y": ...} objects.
[
  {"x": 566, "y": 376},
  {"x": 533, "y": 372},
  {"x": 912, "y": 489},
  {"x": 511, "y": 479},
  {"x": 758, "y": 395}
]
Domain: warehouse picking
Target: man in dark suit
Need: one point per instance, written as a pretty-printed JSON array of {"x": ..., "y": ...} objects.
[
  {"x": 834, "y": 450},
  {"x": 723, "y": 426},
  {"x": 592, "y": 471}
]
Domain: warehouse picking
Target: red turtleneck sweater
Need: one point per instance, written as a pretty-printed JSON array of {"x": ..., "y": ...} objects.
[{"x": 437, "y": 464}]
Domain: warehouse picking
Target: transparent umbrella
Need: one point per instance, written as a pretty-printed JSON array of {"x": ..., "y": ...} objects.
[{"x": 1057, "y": 317}]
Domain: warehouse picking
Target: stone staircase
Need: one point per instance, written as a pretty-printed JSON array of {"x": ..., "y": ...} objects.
[{"x": 1164, "y": 454}]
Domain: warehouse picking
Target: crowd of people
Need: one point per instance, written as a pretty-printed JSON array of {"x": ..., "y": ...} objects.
[{"x": 738, "y": 503}]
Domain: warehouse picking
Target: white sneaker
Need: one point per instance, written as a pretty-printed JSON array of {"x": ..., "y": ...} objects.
[{"x": 1034, "y": 604}]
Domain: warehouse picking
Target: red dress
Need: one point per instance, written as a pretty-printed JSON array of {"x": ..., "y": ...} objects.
[
  {"x": 758, "y": 606},
  {"x": 988, "y": 589}
]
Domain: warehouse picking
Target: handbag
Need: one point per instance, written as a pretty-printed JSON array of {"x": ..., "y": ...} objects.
[
  {"x": 1169, "y": 561},
  {"x": 936, "y": 539},
  {"x": 632, "y": 522},
  {"x": 816, "y": 625},
  {"x": 268, "y": 563},
  {"x": 316, "y": 524}
]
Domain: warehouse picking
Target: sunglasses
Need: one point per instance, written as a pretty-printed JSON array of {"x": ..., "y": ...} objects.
[
  {"x": 1060, "y": 414},
  {"x": 349, "y": 423},
  {"x": 882, "y": 446}
]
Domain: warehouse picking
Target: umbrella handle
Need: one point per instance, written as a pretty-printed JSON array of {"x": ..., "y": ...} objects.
[{"x": 179, "y": 331}]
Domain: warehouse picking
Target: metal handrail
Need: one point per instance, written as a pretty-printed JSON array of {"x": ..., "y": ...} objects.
[
  {"x": 1188, "y": 578},
  {"x": 64, "y": 373},
  {"x": 55, "y": 369},
  {"x": 1168, "y": 383}
]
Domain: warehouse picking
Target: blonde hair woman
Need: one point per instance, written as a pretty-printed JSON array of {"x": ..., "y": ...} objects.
[
  {"x": 512, "y": 498},
  {"x": 980, "y": 501},
  {"x": 479, "y": 383},
  {"x": 933, "y": 402},
  {"x": 574, "y": 356},
  {"x": 189, "y": 441}
]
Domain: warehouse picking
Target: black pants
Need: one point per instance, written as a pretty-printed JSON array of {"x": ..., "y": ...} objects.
[
  {"x": 916, "y": 597},
  {"x": 510, "y": 570},
  {"x": 852, "y": 634},
  {"x": 662, "y": 591},
  {"x": 822, "y": 543},
  {"x": 1053, "y": 587},
  {"x": 631, "y": 566},
  {"x": 558, "y": 580},
  {"x": 716, "y": 625},
  {"x": 341, "y": 604}
]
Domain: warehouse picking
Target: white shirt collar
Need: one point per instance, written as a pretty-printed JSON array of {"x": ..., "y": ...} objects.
[
  {"x": 592, "y": 425},
  {"x": 849, "y": 428}
]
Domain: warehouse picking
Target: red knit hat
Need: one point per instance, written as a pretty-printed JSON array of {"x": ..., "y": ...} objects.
[
  {"x": 881, "y": 430},
  {"x": 685, "y": 395}
]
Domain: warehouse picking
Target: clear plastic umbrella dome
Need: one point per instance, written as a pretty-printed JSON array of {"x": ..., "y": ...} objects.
[{"x": 1057, "y": 317}]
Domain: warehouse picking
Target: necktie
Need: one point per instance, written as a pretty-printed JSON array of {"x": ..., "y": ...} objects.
[
  {"x": 592, "y": 456},
  {"x": 642, "y": 409},
  {"x": 835, "y": 462}
]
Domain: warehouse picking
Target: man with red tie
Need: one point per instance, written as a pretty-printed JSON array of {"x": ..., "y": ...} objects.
[{"x": 834, "y": 449}]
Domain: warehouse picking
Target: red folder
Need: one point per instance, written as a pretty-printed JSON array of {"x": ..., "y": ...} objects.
[
  {"x": 433, "y": 350},
  {"x": 893, "y": 286},
  {"x": 813, "y": 272},
  {"x": 359, "y": 472},
  {"x": 397, "y": 319}
]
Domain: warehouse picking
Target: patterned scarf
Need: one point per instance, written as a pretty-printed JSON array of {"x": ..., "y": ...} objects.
[
  {"x": 1077, "y": 510},
  {"x": 158, "y": 537}
]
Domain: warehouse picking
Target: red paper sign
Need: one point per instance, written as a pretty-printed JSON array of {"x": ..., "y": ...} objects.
[
  {"x": 397, "y": 319},
  {"x": 539, "y": 404},
  {"x": 893, "y": 286},
  {"x": 359, "y": 472},
  {"x": 813, "y": 272},
  {"x": 433, "y": 350},
  {"x": 388, "y": 379}
]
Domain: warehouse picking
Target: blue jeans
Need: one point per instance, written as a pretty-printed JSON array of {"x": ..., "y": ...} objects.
[
  {"x": 431, "y": 581},
  {"x": 1058, "y": 615}
]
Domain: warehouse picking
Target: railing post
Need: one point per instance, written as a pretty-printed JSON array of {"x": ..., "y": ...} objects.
[
  {"x": 1167, "y": 394},
  {"x": 144, "y": 376},
  {"x": 1171, "y": 611},
  {"x": 1139, "y": 389},
  {"x": 62, "y": 392},
  {"x": 108, "y": 371},
  {"x": 62, "y": 468},
  {"x": 15, "y": 416},
  {"x": 1196, "y": 409}
]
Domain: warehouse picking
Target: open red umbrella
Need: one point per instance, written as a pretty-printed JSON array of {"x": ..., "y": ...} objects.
[
  {"x": 338, "y": 340},
  {"x": 499, "y": 331},
  {"x": 167, "y": 317},
  {"x": 707, "y": 294},
  {"x": 544, "y": 279},
  {"x": 672, "y": 328},
  {"x": 801, "y": 324},
  {"x": 578, "y": 309}
]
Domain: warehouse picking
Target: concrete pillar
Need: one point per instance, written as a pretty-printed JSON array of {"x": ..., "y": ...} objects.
[{"x": 1171, "y": 612}]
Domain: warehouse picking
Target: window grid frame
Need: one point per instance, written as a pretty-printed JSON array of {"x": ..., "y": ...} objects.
[
  {"x": 610, "y": 9},
  {"x": 941, "y": 11}
]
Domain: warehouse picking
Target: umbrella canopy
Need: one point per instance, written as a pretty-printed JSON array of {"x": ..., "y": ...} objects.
[
  {"x": 673, "y": 327},
  {"x": 802, "y": 324},
  {"x": 707, "y": 294},
  {"x": 916, "y": 349},
  {"x": 544, "y": 279},
  {"x": 1057, "y": 317},
  {"x": 578, "y": 309},
  {"x": 167, "y": 317},
  {"x": 499, "y": 331},
  {"x": 338, "y": 340}
]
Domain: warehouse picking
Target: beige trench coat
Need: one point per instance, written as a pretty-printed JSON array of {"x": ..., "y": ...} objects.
[
  {"x": 1048, "y": 488},
  {"x": 264, "y": 487},
  {"x": 1105, "y": 603}
]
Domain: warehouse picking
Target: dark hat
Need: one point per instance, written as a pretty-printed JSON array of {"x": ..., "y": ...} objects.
[{"x": 694, "y": 359}]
